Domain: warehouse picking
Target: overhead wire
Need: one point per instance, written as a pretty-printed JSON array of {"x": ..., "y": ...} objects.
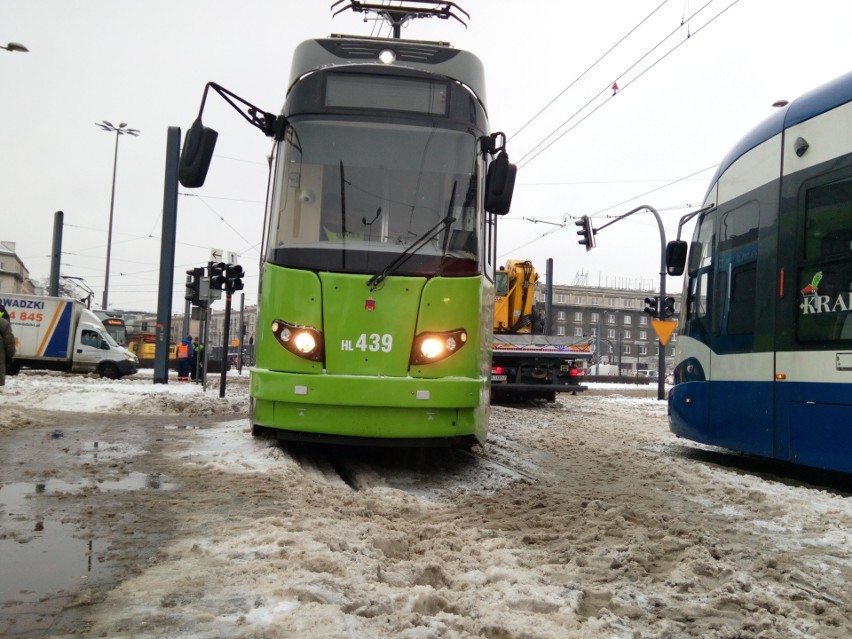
[
  {"x": 589, "y": 68},
  {"x": 599, "y": 212},
  {"x": 526, "y": 159}
]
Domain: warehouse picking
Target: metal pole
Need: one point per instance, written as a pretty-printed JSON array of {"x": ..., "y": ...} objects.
[
  {"x": 167, "y": 257},
  {"x": 548, "y": 300},
  {"x": 225, "y": 332},
  {"x": 109, "y": 231},
  {"x": 56, "y": 253},
  {"x": 206, "y": 314},
  {"x": 661, "y": 363},
  {"x": 241, "y": 333},
  {"x": 598, "y": 348}
]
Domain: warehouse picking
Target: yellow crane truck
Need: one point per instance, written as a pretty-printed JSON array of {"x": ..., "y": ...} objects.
[{"x": 527, "y": 362}]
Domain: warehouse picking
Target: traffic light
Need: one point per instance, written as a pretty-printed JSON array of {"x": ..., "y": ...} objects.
[
  {"x": 218, "y": 278},
  {"x": 652, "y": 306},
  {"x": 668, "y": 307},
  {"x": 586, "y": 230},
  {"x": 193, "y": 285},
  {"x": 234, "y": 274}
]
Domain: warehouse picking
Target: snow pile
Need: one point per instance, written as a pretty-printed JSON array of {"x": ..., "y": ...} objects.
[
  {"x": 136, "y": 395},
  {"x": 578, "y": 520}
]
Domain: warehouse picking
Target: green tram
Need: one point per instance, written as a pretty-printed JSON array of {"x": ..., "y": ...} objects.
[{"x": 376, "y": 284}]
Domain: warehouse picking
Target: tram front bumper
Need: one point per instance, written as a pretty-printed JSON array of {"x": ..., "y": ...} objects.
[{"x": 379, "y": 407}]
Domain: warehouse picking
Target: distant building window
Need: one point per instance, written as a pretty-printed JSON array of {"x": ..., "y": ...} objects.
[
  {"x": 643, "y": 320},
  {"x": 578, "y": 331},
  {"x": 610, "y": 333},
  {"x": 611, "y": 301},
  {"x": 595, "y": 301},
  {"x": 643, "y": 350},
  {"x": 628, "y": 319},
  {"x": 596, "y": 317},
  {"x": 578, "y": 299},
  {"x": 628, "y": 335},
  {"x": 610, "y": 318},
  {"x": 578, "y": 316},
  {"x": 628, "y": 303},
  {"x": 627, "y": 349},
  {"x": 560, "y": 330},
  {"x": 643, "y": 334},
  {"x": 560, "y": 315},
  {"x": 560, "y": 299}
]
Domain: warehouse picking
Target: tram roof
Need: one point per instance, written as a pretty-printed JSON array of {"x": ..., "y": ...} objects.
[
  {"x": 429, "y": 57},
  {"x": 819, "y": 100}
]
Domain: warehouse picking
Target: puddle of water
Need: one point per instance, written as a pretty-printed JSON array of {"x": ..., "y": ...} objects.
[
  {"x": 50, "y": 560},
  {"x": 41, "y": 556}
]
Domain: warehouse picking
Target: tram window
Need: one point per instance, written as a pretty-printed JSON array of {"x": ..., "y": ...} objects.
[
  {"x": 700, "y": 265},
  {"x": 741, "y": 312},
  {"x": 736, "y": 279},
  {"x": 719, "y": 301},
  {"x": 825, "y": 279},
  {"x": 828, "y": 221}
]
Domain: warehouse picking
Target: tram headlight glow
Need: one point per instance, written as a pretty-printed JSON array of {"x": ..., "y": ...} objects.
[
  {"x": 387, "y": 56},
  {"x": 433, "y": 347},
  {"x": 304, "y": 341}
]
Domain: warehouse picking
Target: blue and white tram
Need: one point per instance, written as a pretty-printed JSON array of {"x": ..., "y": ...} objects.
[{"x": 764, "y": 357}]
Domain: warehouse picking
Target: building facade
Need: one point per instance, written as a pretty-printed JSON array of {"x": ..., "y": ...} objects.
[
  {"x": 216, "y": 330},
  {"x": 14, "y": 276},
  {"x": 613, "y": 320}
]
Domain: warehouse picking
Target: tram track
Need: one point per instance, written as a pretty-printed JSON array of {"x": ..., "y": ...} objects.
[{"x": 416, "y": 471}]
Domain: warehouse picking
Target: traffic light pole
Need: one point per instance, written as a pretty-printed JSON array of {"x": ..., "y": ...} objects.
[
  {"x": 661, "y": 363},
  {"x": 226, "y": 331}
]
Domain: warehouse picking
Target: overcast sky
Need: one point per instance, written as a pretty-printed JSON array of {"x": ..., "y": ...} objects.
[{"x": 689, "y": 89}]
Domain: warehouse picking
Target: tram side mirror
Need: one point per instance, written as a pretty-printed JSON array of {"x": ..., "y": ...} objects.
[
  {"x": 196, "y": 154},
  {"x": 676, "y": 257},
  {"x": 500, "y": 184}
]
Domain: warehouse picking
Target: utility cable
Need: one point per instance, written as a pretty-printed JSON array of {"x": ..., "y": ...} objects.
[
  {"x": 597, "y": 213},
  {"x": 592, "y": 66},
  {"x": 522, "y": 162}
]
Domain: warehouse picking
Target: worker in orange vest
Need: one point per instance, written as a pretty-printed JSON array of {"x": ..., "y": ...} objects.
[{"x": 184, "y": 354}]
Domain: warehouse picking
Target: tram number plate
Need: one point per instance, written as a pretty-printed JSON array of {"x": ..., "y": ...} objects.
[{"x": 498, "y": 378}]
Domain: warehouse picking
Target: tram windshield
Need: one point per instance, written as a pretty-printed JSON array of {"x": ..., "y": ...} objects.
[{"x": 351, "y": 196}]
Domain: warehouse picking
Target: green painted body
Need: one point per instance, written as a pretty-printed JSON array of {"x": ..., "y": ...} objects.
[{"x": 366, "y": 386}]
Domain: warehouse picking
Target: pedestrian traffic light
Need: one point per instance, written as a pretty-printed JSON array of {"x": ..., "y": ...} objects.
[
  {"x": 651, "y": 306},
  {"x": 668, "y": 309},
  {"x": 586, "y": 230},
  {"x": 218, "y": 278},
  {"x": 193, "y": 285},
  {"x": 233, "y": 275}
]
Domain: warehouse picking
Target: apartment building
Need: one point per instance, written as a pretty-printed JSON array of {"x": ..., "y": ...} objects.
[{"x": 613, "y": 320}]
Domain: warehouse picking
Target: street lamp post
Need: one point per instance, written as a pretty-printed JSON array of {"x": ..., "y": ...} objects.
[{"x": 119, "y": 130}]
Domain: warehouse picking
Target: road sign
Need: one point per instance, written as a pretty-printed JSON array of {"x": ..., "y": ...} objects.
[
  {"x": 664, "y": 329},
  {"x": 216, "y": 255}
]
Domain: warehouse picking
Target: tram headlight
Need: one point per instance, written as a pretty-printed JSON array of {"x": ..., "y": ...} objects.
[
  {"x": 433, "y": 347},
  {"x": 302, "y": 341},
  {"x": 387, "y": 56}
]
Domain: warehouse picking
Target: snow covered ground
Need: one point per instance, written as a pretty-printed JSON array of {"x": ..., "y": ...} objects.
[{"x": 581, "y": 519}]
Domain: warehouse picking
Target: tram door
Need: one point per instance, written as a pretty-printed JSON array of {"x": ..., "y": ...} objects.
[
  {"x": 742, "y": 364},
  {"x": 815, "y": 364}
]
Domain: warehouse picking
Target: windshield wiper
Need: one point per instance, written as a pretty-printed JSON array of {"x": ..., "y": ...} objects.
[{"x": 424, "y": 239}]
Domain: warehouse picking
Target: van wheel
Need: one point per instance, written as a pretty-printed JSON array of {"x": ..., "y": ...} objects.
[{"x": 109, "y": 370}]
